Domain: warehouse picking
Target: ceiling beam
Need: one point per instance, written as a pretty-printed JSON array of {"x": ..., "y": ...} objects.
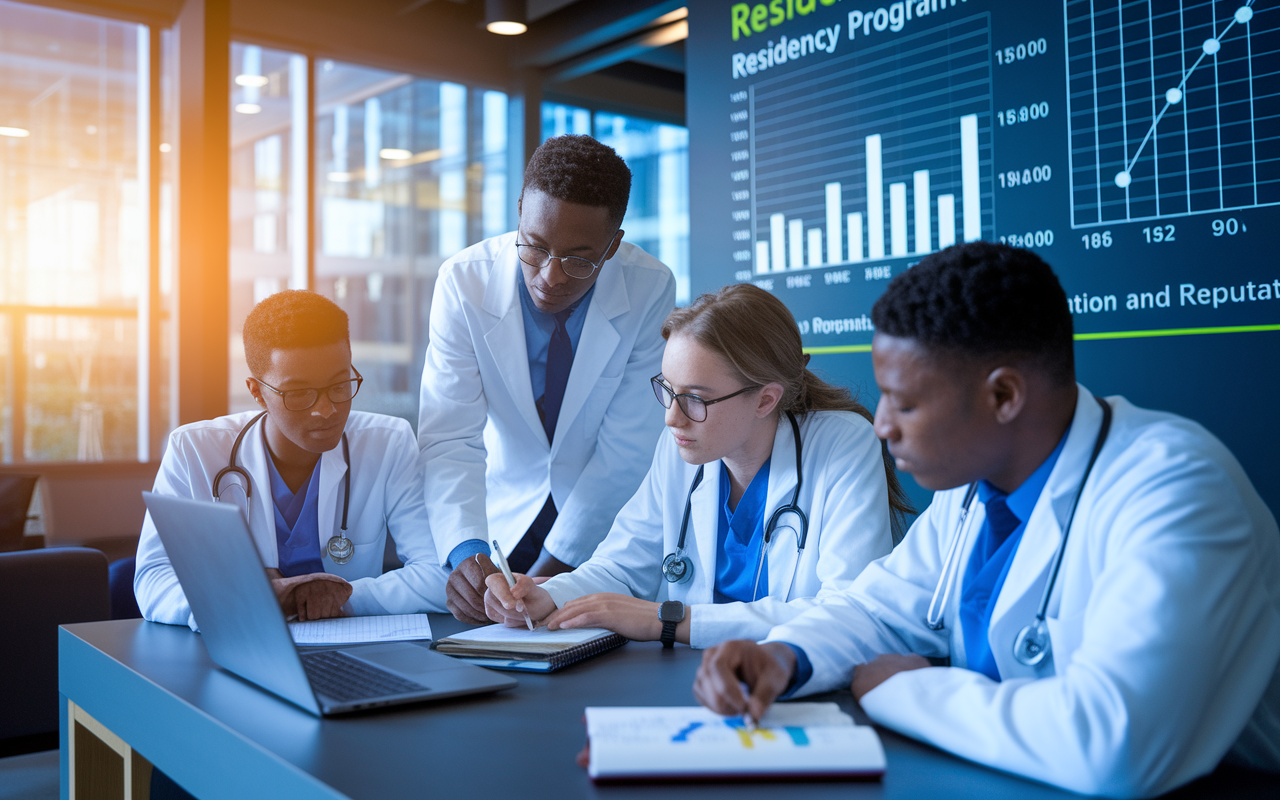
[
  {"x": 582, "y": 27},
  {"x": 620, "y": 51}
]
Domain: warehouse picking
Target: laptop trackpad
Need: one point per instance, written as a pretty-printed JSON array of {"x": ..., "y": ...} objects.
[{"x": 407, "y": 659}]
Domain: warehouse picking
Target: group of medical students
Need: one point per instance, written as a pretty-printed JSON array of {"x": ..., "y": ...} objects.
[{"x": 1092, "y": 599}]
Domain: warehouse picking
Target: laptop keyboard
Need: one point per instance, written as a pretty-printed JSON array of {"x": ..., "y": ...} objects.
[{"x": 338, "y": 675}]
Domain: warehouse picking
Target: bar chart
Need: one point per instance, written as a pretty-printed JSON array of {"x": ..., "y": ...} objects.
[{"x": 885, "y": 153}]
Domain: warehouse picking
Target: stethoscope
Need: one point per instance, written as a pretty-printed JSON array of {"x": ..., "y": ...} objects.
[
  {"x": 1032, "y": 643},
  {"x": 340, "y": 548},
  {"x": 678, "y": 568}
]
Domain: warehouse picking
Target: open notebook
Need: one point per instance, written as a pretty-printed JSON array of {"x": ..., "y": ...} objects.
[
  {"x": 540, "y": 650},
  {"x": 793, "y": 741}
]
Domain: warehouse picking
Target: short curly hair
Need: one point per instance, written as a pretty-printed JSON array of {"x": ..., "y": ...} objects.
[
  {"x": 579, "y": 169},
  {"x": 982, "y": 299},
  {"x": 290, "y": 319}
]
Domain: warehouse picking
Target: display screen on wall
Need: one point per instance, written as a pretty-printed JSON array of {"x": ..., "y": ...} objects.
[{"x": 1134, "y": 145}]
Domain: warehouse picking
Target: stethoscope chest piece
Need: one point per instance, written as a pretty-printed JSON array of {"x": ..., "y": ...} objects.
[
  {"x": 340, "y": 549},
  {"x": 1032, "y": 644},
  {"x": 677, "y": 568}
]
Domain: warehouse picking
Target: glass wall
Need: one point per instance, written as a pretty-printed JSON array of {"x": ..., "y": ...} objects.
[
  {"x": 658, "y": 155},
  {"x": 74, "y": 252},
  {"x": 268, "y": 147},
  {"x": 408, "y": 173}
]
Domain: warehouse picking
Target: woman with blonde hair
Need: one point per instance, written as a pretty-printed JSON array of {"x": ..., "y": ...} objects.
[{"x": 771, "y": 492}]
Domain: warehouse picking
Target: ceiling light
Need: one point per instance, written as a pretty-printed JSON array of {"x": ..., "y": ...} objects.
[
  {"x": 248, "y": 108},
  {"x": 256, "y": 81},
  {"x": 17, "y": 133},
  {"x": 395, "y": 154},
  {"x": 339, "y": 177},
  {"x": 165, "y": 147},
  {"x": 505, "y": 17}
]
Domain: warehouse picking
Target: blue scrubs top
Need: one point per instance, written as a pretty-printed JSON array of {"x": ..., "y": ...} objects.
[
  {"x": 740, "y": 540},
  {"x": 297, "y": 523}
]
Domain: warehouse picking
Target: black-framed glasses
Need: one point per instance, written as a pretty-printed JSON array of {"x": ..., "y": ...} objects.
[
  {"x": 573, "y": 266},
  {"x": 302, "y": 399},
  {"x": 693, "y": 406}
]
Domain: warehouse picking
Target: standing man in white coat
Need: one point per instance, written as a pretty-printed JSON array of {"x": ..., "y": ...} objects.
[
  {"x": 1105, "y": 617},
  {"x": 536, "y": 421},
  {"x": 321, "y": 486}
]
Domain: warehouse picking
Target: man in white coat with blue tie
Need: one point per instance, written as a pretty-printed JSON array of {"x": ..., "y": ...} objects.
[
  {"x": 1093, "y": 597},
  {"x": 536, "y": 421}
]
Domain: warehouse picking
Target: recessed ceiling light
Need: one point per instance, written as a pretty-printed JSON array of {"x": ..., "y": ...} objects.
[
  {"x": 340, "y": 177},
  {"x": 248, "y": 108},
  {"x": 17, "y": 133},
  {"x": 395, "y": 154},
  {"x": 165, "y": 147},
  {"x": 251, "y": 80},
  {"x": 506, "y": 28}
]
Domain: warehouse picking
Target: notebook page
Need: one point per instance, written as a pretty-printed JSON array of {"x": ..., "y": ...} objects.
[{"x": 360, "y": 630}]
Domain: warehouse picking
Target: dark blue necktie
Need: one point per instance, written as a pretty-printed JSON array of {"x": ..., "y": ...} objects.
[
  {"x": 988, "y": 565},
  {"x": 559, "y": 362}
]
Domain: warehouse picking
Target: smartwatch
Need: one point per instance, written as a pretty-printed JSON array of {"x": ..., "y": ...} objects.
[{"x": 671, "y": 613}]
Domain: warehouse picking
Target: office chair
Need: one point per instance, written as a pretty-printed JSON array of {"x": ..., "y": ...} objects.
[
  {"x": 40, "y": 590},
  {"x": 15, "y": 500}
]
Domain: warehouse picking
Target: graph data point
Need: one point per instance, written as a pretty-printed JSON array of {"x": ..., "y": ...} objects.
[
  {"x": 1212, "y": 46},
  {"x": 1244, "y": 14},
  {"x": 1173, "y": 96},
  {"x": 1123, "y": 179}
]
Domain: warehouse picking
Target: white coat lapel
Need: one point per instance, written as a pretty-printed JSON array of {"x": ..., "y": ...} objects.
[
  {"x": 596, "y": 344},
  {"x": 328, "y": 502},
  {"x": 704, "y": 526},
  {"x": 1020, "y": 596},
  {"x": 505, "y": 338},
  {"x": 783, "y": 550},
  {"x": 262, "y": 517}
]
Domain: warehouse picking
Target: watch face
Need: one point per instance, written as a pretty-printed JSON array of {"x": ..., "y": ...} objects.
[{"x": 671, "y": 611}]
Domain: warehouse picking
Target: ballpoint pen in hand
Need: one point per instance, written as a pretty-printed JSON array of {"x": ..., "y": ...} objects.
[{"x": 511, "y": 579}]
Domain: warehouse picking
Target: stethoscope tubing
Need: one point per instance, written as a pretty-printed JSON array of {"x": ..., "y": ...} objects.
[
  {"x": 233, "y": 469},
  {"x": 677, "y": 568},
  {"x": 935, "y": 616}
]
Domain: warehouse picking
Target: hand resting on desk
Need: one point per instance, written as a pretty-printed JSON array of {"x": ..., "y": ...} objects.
[
  {"x": 315, "y": 596},
  {"x": 464, "y": 592}
]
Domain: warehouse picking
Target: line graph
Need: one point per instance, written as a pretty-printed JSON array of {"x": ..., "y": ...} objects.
[{"x": 1165, "y": 101}]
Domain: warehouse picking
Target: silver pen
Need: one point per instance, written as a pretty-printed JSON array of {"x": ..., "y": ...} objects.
[{"x": 511, "y": 579}]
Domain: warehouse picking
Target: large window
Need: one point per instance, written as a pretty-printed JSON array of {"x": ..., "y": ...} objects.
[
  {"x": 658, "y": 155},
  {"x": 408, "y": 172},
  {"x": 75, "y": 268}
]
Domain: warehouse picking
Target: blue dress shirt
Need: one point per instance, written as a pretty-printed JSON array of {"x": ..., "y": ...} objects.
[
  {"x": 538, "y": 327},
  {"x": 993, "y": 551},
  {"x": 740, "y": 540},
  {"x": 297, "y": 523}
]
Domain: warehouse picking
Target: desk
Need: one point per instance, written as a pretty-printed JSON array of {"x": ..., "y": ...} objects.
[{"x": 155, "y": 687}]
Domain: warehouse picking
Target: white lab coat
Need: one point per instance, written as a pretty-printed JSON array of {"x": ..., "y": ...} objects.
[
  {"x": 1165, "y": 620},
  {"x": 844, "y": 495},
  {"x": 386, "y": 496},
  {"x": 488, "y": 466}
]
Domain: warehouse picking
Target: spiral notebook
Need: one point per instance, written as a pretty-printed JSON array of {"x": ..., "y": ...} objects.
[{"x": 540, "y": 650}]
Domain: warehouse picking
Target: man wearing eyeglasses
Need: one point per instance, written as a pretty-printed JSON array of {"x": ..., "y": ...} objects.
[
  {"x": 536, "y": 423},
  {"x": 320, "y": 485}
]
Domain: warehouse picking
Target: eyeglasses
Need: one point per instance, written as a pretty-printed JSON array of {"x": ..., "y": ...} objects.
[
  {"x": 302, "y": 399},
  {"x": 573, "y": 266},
  {"x": 693, "y": 406}
]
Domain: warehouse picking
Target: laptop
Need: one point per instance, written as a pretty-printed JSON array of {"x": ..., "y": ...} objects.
[{"x": 216, "y": 562}]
